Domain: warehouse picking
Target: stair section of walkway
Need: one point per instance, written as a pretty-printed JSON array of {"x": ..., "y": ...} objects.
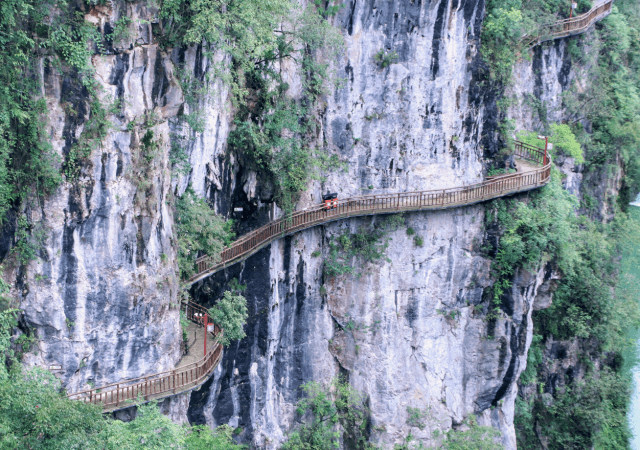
[
  {"x": 494, "y": 187},
  {"x": 569, "y": 27},
  {"x": 192, "y": 371}
]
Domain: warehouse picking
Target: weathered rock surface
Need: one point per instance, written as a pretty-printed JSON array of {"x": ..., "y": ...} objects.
[
  {"x": 416, "y": 124},
  {"x": 410, "y": 331},
  {"x": 102, "y": 295}
]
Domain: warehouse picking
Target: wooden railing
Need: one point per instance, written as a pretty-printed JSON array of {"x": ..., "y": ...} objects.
[
  {"x": 381, "y": 204},
  {"x": 163, "y": 384},
  {"x": 569, "y": 27}
]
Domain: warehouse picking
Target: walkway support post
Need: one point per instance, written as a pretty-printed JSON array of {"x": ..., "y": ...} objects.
[
  {"x": 546, "y": 146},
  {"x": 206, "y": 320}
]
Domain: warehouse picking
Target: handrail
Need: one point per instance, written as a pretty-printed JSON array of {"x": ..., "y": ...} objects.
[
  {"x": 381, "y": 204},
  {"x": 162, "y": 384},
  {"x": 569, "y": 27}
]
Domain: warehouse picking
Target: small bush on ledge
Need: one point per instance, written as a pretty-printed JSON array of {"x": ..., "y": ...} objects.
[{"x": 385, "y": 59}]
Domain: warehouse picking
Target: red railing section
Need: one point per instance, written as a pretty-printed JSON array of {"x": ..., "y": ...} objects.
[
  {"x": 381, "y": 204},
  {"x": 569, "y": 27},
  {"x": 163, "y": 384}
]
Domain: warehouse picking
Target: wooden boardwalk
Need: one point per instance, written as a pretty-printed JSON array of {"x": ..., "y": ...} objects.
[
  {"x": 491, "y": 188},
  {"x": 190, "y": 373},
  {"x": 193, "y": 370},
  {"x": 569, "y": 27}
]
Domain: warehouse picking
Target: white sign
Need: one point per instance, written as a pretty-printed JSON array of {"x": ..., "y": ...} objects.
[
  {"x": 574, "y": 5},
  {"x": 210, "y": 327},
  {"x": 55, "y": 367},
  {"x": 549, "y": 146},
  {"x": 237, "y": 209}
]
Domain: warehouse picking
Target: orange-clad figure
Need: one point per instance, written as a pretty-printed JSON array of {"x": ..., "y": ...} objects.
[{"x": 330, "y": 200}]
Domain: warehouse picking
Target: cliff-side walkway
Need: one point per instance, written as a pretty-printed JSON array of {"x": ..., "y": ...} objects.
[
  {"x": 491, "y": 188},
  {"x": 569, "y": 27},
  {"x": 193, "y": 369},
  {"x": 534, "y": 170}
]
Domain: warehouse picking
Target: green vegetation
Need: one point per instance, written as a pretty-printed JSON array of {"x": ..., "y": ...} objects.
[
  {"x": 184, "y": 326},
  {"x": 277, "y": 138},
  {"x": 562, "y": 138},
  {"x": 507, "y": 21},
  {"x": 200, "y": 231},
  {"x": 273, "y": 132},
  {"x": 494, "y": 172},
  {"x": 611, "y": 102},
  {"x": 543, "y": 227},
  {"x": 477, "y": 437},
  {"x": 589, "y": 412},
  {"x": 322, "y": 410},
  {"x": 474, "y": 437},
  {"x": 417, "y": 417},
  {"x": 349, "y": 250},
  {"x": 546, "y": 230},
  {"x": 201, "y": 437},
  {"x": 230, "y": 313},
  {"x": 385, "y": 59}
]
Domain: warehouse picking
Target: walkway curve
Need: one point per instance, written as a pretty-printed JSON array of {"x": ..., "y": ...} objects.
[
  {"x": 569, "y": 27},
  {"x": 494, "y": 187},
  {"x": 126, "y": 393}
]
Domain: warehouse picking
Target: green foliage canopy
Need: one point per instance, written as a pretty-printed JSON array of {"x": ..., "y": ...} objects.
[
  {"x": 199, "y": 230},
  {"x": 327, "y": 412},
  {"x": 230, "y": 313}
]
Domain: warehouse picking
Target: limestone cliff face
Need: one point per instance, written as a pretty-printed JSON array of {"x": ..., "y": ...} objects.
[
  {"x": 410, "y": 331},
  {"x": 102, "y": 294},
  {"x": 421, "y": 123}
]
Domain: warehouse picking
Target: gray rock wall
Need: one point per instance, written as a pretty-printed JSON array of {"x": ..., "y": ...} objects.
[
  {"x": 417, "y": 124},
  {"x": 102, "y": 296}
]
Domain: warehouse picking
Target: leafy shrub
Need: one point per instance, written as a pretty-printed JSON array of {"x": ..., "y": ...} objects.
[
  {"x": 534, "y": 359},
  {"x": 501, "y": 32},
  {"x": 588, "y": 414},
  {"x": 417, "y": 417},
  {"x": 563, "y": 140},
  {"x": 184, "y": 326},
  {"x": 236, "y": 286},
  {"x": 201, "y": 437},
  {"x": 199, "y": 230},
  {"x": 410, "y": 231},
  {"x": 230, "y": 313},
  {"x": 494, "y": 172},
  {"x": 385, "y": 59},
  {"x": 367, "y": 245},
  {"x": 418, "y": 241},
  {"x": 324, "y": 408},
  {"x": 476, "y": 437}
]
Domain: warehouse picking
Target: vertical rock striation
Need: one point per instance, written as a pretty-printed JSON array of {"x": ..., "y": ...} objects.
[{"x": 410, "y": 331}]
